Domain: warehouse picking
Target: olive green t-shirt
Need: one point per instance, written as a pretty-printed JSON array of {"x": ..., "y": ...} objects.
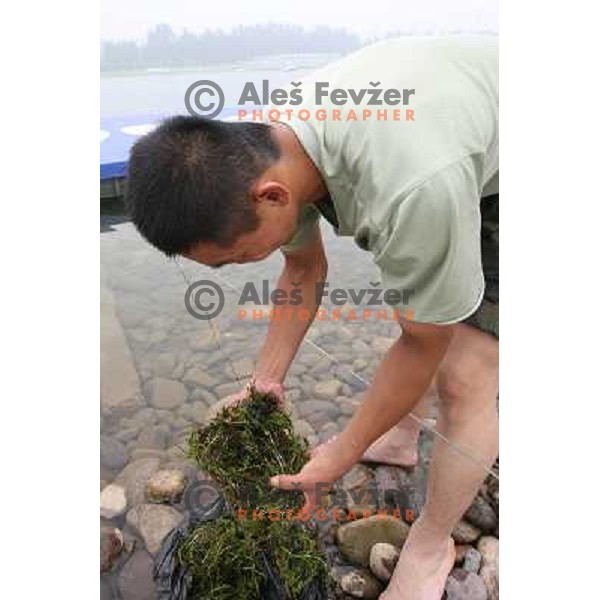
[{"x": 409, "y": 191}]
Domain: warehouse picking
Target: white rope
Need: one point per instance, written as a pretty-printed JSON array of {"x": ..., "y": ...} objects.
[{"x": 215, "y": 332}]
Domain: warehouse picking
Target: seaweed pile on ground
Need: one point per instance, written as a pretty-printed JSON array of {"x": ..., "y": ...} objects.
[{"x": 258, "y": 548}]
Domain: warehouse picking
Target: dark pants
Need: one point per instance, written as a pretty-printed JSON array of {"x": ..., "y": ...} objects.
[{"x": 486, "y": 317}]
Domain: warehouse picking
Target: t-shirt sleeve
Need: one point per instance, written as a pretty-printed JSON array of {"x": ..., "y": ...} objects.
[
  {"x": 430, "y": 250},
  {"x": 308, "y": 223}
]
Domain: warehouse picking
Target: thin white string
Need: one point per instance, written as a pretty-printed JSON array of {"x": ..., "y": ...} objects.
[{"x": 215, "y": 332}]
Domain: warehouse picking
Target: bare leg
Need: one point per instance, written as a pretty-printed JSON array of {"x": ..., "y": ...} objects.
[
  {"x": 467, "y": 385},
  {"x": 399, "y": 446}
]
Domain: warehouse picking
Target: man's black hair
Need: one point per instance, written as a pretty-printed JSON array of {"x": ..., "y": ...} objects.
[{"x": 189, "y": 181}]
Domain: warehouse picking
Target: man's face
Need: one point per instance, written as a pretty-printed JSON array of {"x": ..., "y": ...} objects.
[{"x": 277, "y": 223}]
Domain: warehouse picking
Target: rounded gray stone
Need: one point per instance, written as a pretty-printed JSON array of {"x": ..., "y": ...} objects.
[
  {"x": 359, "y": 583},
  {"x": 113, "y": 502},
  {"x": 462, "y": 585},
  {"x": 465, "y": 533},
  {"x": 472, "y": 561},
  {"x": 327, "y": 390},
  {"x": 153, "y": 522},
  {"x": 113, "y": 454},
  {"x": 134, "y": 478},
  {"x": 358, "y": 537},
  {"x": 167, "y": 393},
  {"x": 156, "y": 437},
  {"x": 482, "y": 515},
  {"x": 382, "y": 560}
]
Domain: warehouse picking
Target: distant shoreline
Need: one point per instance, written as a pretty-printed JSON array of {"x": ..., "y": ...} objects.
[{"x": 275, "y": 62}]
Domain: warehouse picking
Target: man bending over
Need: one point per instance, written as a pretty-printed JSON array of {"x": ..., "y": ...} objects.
[{"x": 422, "y": 197}]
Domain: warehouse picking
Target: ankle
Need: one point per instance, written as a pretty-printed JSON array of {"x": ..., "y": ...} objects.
[{"x": 428, "y": 538}]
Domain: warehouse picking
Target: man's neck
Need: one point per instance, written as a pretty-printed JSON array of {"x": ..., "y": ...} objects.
[{"x": 300, "y": 170}]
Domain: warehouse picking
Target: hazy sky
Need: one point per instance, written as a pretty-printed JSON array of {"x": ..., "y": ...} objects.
[{"x": 133, "y": 18}]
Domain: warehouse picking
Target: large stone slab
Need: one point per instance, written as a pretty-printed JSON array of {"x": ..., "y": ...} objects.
[{"x": 119, "y": 381}]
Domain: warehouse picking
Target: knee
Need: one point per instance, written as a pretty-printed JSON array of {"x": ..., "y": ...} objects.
[{"x": 468, "y": 381}]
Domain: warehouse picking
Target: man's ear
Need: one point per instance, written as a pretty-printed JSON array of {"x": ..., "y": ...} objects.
[{"x": 271, "y": 192}]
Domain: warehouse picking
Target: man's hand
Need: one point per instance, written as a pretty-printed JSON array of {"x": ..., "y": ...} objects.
[
  {"x": 316, "y": 478},
  {"x": 266, "y": 386}
]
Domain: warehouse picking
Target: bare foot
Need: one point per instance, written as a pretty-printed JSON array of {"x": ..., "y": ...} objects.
[
  {"x": 397, "y": 447},
  {"x": 421, "y": 572}
]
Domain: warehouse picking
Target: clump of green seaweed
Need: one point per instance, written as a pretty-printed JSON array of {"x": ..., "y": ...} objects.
[
  {"x": 245, "y": 445},
  {"x": 257, "y": 549}
]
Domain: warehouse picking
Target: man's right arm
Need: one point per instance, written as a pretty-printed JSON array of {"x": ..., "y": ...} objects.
[{"x": 304, "y": 268}]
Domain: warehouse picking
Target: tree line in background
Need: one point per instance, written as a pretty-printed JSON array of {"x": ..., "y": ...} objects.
[{"x": 164, "y": 48}]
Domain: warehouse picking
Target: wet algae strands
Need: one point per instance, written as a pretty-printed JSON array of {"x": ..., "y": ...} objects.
[
  {"x": 254, "y": 550},
  {"x": 246, "y": 444}
]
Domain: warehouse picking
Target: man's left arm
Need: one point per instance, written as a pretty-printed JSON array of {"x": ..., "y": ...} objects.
[{"x": 400, "y": 382}]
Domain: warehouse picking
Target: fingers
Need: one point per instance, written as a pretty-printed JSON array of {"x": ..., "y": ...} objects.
[
  {"x": 295, "y": 482},
  {"x": 269, "y": 386},
  {"x": 287, "y": 482},
  {"x": 235, "y": 398}
]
